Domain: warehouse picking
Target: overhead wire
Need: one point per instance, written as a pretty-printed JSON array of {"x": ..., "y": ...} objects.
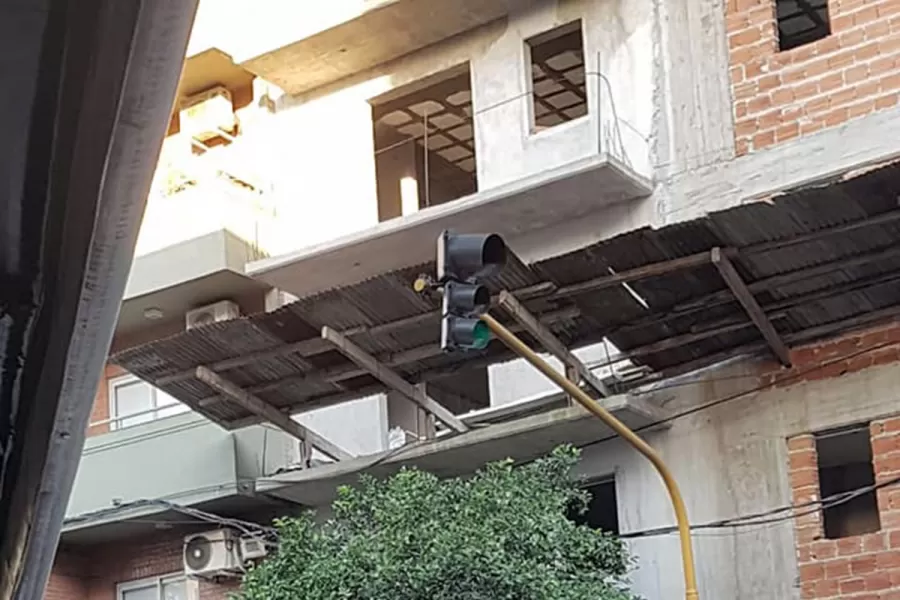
[
  {"x": 760, "y": 519},
  {"x": 787, "y": 377},
  {"x": 770, "y": 517}
]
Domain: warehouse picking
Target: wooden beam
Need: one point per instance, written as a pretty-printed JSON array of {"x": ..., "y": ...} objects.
[
  {"x": 713, "y": 299},
  {"x": 746, "y": 299},
  {"x": 390, "y": 378},
  {"x": 344, "y": 372},
  {"x": 269, "y": 413},
  {"x": 314, "y": 346},
  {"x": 797, "y": 337},
  {"x": 552, "y": 343},
  {"x": 643, "y": 272}
]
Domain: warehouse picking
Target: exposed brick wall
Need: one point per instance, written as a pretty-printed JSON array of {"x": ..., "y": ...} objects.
[
  {"x": 781, "y": 95},
  {"x": 67, "y": 579},
  {"x": 100, "y": 411},
  {"x": 99, "y": 570},
  {"x": 862, "y": 567},
  {"x": 879, "y": 345}
]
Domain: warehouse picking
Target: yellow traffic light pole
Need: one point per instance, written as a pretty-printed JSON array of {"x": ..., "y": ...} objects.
[{"x": 684, "y": 530}]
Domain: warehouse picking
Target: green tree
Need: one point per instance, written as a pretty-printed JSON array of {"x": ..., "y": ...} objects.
[{"x": 502, "y": 534}]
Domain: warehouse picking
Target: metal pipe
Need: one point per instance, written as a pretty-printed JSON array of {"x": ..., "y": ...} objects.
[{"x": 684, "y": 530}]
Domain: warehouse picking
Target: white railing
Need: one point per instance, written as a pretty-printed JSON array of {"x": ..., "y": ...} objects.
[{"x": 193, "y": 195}]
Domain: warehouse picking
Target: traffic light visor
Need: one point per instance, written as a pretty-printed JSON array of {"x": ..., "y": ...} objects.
[{"x": 464, "y": 256}]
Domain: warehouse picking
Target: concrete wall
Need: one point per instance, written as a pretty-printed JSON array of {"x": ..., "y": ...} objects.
[
  {"x": 319, "y": 148},
  {"x": 618, "y": 59},
  {"x": 359, "y": 427},
  {"x": 136, "y": 463},
  {"x": 517, "y": 380},
  {"x": 732, "y": 460}
]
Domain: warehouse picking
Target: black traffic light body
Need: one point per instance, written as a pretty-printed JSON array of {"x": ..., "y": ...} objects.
[
  {"x": 462, "y": 260},
  {"x": 467, "y": 257}
]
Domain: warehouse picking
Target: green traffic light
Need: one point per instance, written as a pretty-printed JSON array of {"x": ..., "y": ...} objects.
[{"x": 481, "y": 336}]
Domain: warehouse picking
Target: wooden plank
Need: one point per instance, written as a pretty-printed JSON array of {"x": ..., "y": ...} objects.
[
  {"x": 713, "y": 299},
  {"x": 391, "y": 379},
  {"x": 552, "y": 343},
  {"x": 643, "y": 272},
  {"x": 755, "y": 312},
  {"x": 269, "y": 413}
]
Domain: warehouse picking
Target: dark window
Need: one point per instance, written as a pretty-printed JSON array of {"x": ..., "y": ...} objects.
[
  {"x": 602, "y": 511},
  {"x": 558, "y": 89},
  {"x": 801, "y": 22},
  {"x": 425, "y": 144},
  {"x": 845, "y": 465}
]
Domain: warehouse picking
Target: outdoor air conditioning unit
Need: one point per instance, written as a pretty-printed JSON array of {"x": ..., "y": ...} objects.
[
  {"x": 212, "y": 554},
  {"x": 212, "y": 313},
  {"x": 206, "y": 115}
]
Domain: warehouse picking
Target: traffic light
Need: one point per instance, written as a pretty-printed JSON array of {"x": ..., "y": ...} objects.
[
  {"x": 464, "y": 257},
  {"x": 461, "y": 261}
]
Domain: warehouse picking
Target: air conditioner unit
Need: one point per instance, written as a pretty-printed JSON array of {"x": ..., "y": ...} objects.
[
  {"x": 212, "y": 554},
  {"x": 211, "y": 313},
  {"x": 252, "y": 548},
  {"x": 206, "y": 115}
]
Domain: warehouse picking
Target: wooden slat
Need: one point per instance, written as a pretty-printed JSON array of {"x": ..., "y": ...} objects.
[
  {"x": 751, "y": 306},
  {"x": 269, "y": 413},
  {"x": 390, "y": 378},
  {"x": 552, "y": 343}
]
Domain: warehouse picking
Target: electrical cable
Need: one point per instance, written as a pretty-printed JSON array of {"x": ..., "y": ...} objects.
[
  {"x": 753, "y": 520},
  {"x": 791, "y": 376},
  {"x": 758, "y": 519}
]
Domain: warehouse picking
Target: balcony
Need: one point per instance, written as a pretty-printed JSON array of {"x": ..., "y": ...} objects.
[
  {"x": 121, "y": 468},
  {"x": 527, "y": 182},
  {"x": 207, "y": 216}
]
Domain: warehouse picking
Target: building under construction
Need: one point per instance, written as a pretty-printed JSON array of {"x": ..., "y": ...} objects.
[{"x": 702, "y": 200}]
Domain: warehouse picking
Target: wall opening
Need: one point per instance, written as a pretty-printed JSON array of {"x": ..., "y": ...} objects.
[
  {"x": 801, "y": 22},
  {"x": 464, "y": 391},
  {"x": 602, "y": 509},
  {"x": 845, "y": 465},
  {"x": 558, "y": 90},
  {"x": 425, "y": 144}
]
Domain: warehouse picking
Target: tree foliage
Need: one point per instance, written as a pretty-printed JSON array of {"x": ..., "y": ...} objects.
[{"x": 502, "y": 534}]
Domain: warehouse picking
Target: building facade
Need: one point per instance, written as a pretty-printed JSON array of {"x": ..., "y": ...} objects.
[{"x": 700, "y": 196}]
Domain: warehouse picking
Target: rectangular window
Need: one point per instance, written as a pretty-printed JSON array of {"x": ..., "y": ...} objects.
[
  {"x": 845, "y": 466},
  {"x": 558, "y": 91},
  {"x": 171, "y": 587},
  {"x": 602, "y": 509},
  {"x": 425, "y": 144},
  {"x": 133, "y": 401},
  {"x": 801, "y": 22}
]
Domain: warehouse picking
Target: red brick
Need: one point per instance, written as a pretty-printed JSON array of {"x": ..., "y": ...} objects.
[
  {"x": 764, "y": 139},
  {"x": 837, "y": 568},
  {"x": 877, "y": 582},
  {"x": 801, "y": 442},
  {"x": 874, "y": 542},
  {"x": 812, "y": 572},
  {"x": 863, "y": 564},
  {"x": 802, "y": 459},
  {"x": 888, "y": 560},
  {"x": 851, "y": 586},
  {"x": 744, "y": 37},
  {"x": 849, "y": 546},
  {"x": 823, "y": 549}
]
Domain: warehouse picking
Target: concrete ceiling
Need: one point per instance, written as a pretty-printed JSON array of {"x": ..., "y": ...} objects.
[
  {"x": 510, "y": 210},
  {"x": 176, "y": 300},
  {"x": 388, "y": 31}
]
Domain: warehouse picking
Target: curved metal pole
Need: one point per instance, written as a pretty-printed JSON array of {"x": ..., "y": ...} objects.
[{"x": 684, "y": 530}]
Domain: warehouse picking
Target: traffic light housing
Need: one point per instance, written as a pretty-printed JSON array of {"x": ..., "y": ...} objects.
[
  {"x": 465, "y": 257},
  {"x": 462, "y": 259}
]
